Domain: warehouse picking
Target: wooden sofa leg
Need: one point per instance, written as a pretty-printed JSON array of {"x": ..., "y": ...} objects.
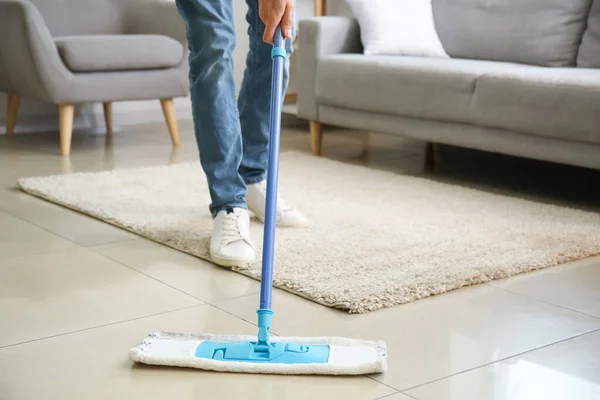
[
  {"x": 66, "y": 112},
  {"x": 168, "y": 108},
  {"x": 108, "y": 120},
  {"x": 316, "y": 137},
  {"x": 12, "y": 109},
  {"x": 429, "y": 156}
]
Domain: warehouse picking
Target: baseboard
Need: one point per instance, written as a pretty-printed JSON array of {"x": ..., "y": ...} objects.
[
  {"x": 91, "y": 116},
  {"x": 134, "y": 113}
]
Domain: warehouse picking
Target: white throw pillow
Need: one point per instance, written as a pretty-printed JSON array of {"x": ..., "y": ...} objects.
[{"x": 398, "y": 27}]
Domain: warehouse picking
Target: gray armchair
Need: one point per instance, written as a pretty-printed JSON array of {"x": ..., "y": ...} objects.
[{"x": 77, "y": 51}]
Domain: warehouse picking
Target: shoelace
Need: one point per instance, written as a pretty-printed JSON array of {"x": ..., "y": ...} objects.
[{"x": 231, "y": 231}]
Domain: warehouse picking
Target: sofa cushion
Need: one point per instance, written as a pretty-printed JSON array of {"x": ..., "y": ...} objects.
[
  {"x": 397, "y": 27},
  {"x": 551, "y": 102},
  {"x": 537, "y": 32},
  {"x": 589, "y": 52},
  {"x": 439, "y": 89},
  {"x": 96, "y": 53}
]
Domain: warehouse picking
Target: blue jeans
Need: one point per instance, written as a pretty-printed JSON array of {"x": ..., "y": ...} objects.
[{"x": 232, "y": 136}]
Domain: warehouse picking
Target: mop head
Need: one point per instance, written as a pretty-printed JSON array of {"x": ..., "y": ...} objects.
[{"x": 284, "y": 355}]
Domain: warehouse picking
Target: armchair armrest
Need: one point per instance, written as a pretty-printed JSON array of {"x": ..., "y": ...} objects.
[
  {"x": 320, "y": 37},
  {"x": 29, "y": 61},
  {"x": 158, "y": 17}
]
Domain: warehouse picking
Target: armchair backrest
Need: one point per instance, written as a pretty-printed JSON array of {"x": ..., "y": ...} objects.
[{"x": 81, "y": 17}]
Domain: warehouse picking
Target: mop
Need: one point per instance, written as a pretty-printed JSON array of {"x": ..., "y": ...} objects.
[{"x": 263, "y": 353}]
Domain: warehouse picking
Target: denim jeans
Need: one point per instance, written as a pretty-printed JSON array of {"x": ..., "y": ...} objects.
[{"x": 232, "y": 136}]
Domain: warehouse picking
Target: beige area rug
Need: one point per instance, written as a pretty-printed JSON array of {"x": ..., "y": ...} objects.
[{"x": 376, "y": 239}]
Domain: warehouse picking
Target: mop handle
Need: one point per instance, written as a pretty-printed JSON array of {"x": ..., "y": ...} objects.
[{"x": 278, "y": 56}]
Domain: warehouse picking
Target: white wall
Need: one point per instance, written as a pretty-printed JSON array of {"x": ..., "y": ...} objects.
[{"x": 35, "y": 116}]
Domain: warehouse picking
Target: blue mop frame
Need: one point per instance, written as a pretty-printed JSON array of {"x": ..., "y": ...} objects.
[{"x": 264, "y": 350}]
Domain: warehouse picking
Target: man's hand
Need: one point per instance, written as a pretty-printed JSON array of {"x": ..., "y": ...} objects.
[{"x": 274, "y": 12}]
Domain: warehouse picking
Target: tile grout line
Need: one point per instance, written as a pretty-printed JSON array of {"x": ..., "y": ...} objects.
[
  {"x": 396, "y": 391},
  {"x": 542, "y": 301},
  {"x": 393, "y": 394},
  {"x": 102, "y": 326},
  {"x": 57, "y": 234},
  {"x": 208, "y": 302},
  {"x": 232, "y": 298},
  {"x": 388, "y": 395},
  {"x": 91, "y": 248},
  {"x": 238, "y": 317},
  {"x": 143, "y": 274},
  {"x": 403, "y": 391}
]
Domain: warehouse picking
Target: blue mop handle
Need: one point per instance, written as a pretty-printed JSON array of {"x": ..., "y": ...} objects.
[
  {"x": 278, "y": 55},
  {"x": 265, "y": 313}
]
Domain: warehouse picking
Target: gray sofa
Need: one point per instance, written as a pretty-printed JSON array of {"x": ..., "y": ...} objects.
[
  {"x": 523, "y": 80},
  {"x": 68, "y": 52}
]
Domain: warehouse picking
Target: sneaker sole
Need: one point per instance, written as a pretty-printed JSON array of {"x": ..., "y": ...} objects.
[
  {"x": 230, "y": 262},
  {"x": 261, "y": 218}
]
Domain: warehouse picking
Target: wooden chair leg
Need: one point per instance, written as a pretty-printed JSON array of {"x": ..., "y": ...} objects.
[
  {"x": 12, "y": 109},
  {"x": 168, "y": 108},
  {"x": 316, "y": 136},
  {"x": 66, "y": 113},
  {"x": 320, "y": 7},
  {"x": 108, "y": 120},
  {"x": 429, "y": 156}
]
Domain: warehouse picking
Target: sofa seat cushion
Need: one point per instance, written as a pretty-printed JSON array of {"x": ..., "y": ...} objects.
[
  {"x": 97, "y": 53},
  {"x": 437, "y": 89},
  {"x": 552, "y": 102}
]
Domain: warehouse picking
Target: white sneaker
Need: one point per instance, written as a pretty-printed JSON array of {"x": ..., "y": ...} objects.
[
  {"x": 256, "y": 198},
  {"x": 230, "y": 244}
]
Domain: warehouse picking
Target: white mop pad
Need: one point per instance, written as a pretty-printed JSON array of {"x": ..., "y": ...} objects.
[{"x": 347, "y": 356}]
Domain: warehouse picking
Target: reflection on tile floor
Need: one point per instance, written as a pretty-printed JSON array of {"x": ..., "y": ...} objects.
[
  {"x": 567, "y": 370},
  {"x": 76, "y": 293},
  {"x": 435, "y": 337}
]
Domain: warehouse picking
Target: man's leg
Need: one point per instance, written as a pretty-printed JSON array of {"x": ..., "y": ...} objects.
[
  {"x": 211, "y": 40},
  {"x": 254, "y": 101},
  {"x": 254, "y": 107}
]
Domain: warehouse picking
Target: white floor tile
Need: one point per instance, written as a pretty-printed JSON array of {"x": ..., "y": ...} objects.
[
  {"x": 564, "y": 371},
  {"x": 18, "y": 238},
  {"x": 55, "y": 293},
  {"x": 575, "y": 285}
]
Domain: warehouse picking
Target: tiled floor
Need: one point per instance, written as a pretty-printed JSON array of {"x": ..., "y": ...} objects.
[{"x": 76, "y": 293}]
